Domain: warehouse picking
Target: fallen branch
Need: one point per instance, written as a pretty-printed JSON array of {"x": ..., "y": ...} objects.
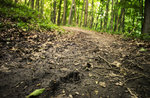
[
  {"x": 134, "y": 95},
  {"x": 110, "y": 65}
]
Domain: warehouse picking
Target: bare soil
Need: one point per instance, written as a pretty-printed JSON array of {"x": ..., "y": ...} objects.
[{"x": 76, "y": 64}]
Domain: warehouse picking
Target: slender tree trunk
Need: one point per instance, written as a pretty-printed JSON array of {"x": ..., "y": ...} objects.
[
  {"x": 146, "y": 25},
  {"x": 78, "y": 11},
  {"x": 86, "y": 14},
  {"x": 112, "y": 16},
  {"x": 37, "y": 5},
  {"x": 42, "y": 6},
  {"x": 59, "y": 12},
  {"x": 120, "y": 19},
  {"x": 106, "y": 17},
  {"x": 142, "y": 13},
  {"x": 116, "y": 17},
  {"x": 123, "y": 21},
  {"x": 70, "y": 15},
  {"x": 65, "y": 11},
  {"x": 32, "y": 4},
  {"x": 75, "y": 12},
  {"x": 101, "y": 20},
  {"x": 29, "y": 2},
  {"x": 25, "y": 2},
  {"x": 16, "y": 1},
  {"x": 92, "y": 14},
  {"x": 54, "y": 12},
  {"x": 82, "y": 13}
]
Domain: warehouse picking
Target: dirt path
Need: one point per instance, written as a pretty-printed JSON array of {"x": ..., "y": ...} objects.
[{"x": 82, "y": 64}]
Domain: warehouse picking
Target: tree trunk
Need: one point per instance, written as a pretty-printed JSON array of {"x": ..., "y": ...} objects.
[
  {"x": 70, "y": 15},
  {"x": 116, "y": 17},
  {"x": 82, "y": 13},
  {"x": 123, "y": 20},
  {"x": 92, "y": 15},
  {"x": 16, "y": 1},
  {"x": 54, "y": 12},
  {"x": 25, "y": 1},
  {"x": 146, "y": 24},
  {"x": 106, "y": 17},
  {"x": 65, "y": 11},
  {"x": 37, "y": 5},
  {"x": 32, "y": 4},
  {"x": 120, "y": 18},
  {"x": 59, "y": 12},
  {"x": 86, "y": 14},
  {"x": 78, "y": 11},
  {"x": 42, "y": 6},
  {"x": 112, "y": 16}
]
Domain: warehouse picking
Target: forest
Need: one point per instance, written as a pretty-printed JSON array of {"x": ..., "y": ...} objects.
[
  {"x": 117, "y": 16},
  {"x": 74, "y": 48}
]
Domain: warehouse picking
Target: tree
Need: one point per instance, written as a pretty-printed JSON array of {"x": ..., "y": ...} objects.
[
  {"x": 92, "y": 15},
  {"x": 37, "y": 5},
  {"x": 65, "y": 11},
  {"x": 112, "y": 15},
  {"x": 16, "y": 1},
  {"x": 106, "y": 17},
  {"x": 86, "y": 13},
  {"x": 146, "y": 25},
  {"x": 70, "y": 15},
  {"x": 82, "y": 13},
  {"x": 32, "y": 4},
  {"x": 42, "y": 6},
  {"x": 59, "y": 12}
]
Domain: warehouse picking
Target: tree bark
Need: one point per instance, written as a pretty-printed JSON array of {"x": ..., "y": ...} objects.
[
  {"x": 92, "y": 14},
  {"x": 116, "y": 17},
  {"x": 78, "y": 11},
  {"x": 146, "y": 24},
  {"x": 54, "y": 12},
  {"x": 37, "y": 5},
  {"x": 65, "y": 11},
  {"x": 82, "y": 13},
  {"x": 59, "y": 12},
  {"x": 112, "y": 16},
  {"x": 70, "y": 15},
  {"x": 106, "y": 17},
  {"x": 32, "y": 4},
  {"x": 86, "y": 14},
  {"x": 16, "y": 1},
  {"x": 42, "y": 6}
]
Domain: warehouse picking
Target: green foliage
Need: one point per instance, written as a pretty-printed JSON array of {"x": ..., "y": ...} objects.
[
  {"x": 142, "y": 49},
  {"x": 36, "y": 92},
  {"x": 25, "y": 17}
]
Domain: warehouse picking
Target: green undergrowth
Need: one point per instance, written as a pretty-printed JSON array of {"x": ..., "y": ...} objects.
[
  {"x": 125, "y": 35},
  {"x": 24, "y": 17}
]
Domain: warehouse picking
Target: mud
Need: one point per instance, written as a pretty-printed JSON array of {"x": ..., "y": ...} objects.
[{"x": 77, "y": 64}]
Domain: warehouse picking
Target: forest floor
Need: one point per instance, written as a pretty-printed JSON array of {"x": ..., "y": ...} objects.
[{"x": 76, "y": 64}]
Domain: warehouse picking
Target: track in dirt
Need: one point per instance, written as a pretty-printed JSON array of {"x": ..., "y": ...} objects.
[{"x": 81, "y": 64}]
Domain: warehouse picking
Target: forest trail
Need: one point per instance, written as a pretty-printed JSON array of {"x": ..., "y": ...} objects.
[{"x": 81, "y": 64}]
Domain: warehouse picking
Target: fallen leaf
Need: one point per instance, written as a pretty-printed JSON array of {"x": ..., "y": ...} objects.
[
  {"x": 119, "y": 83},
  {"x": 116, "y": 63},
  {"x": 36, "y": 92},
  {"x": 96, "y": 92},
  {"x": 90, "y": 75},
  {"x": 142, "y": 49},
  {"x": 103, "y": 84},
  {"x": 96, "y": 82}
]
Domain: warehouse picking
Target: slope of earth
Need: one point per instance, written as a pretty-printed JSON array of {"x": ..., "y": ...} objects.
[{"x": 81, "y": 64}]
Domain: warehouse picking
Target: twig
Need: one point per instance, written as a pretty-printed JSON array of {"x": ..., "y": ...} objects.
[
  {"x": 106, "y": 61},
  {"x": 132, "y": 79},
  {"x": 134, "y": 95}
]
